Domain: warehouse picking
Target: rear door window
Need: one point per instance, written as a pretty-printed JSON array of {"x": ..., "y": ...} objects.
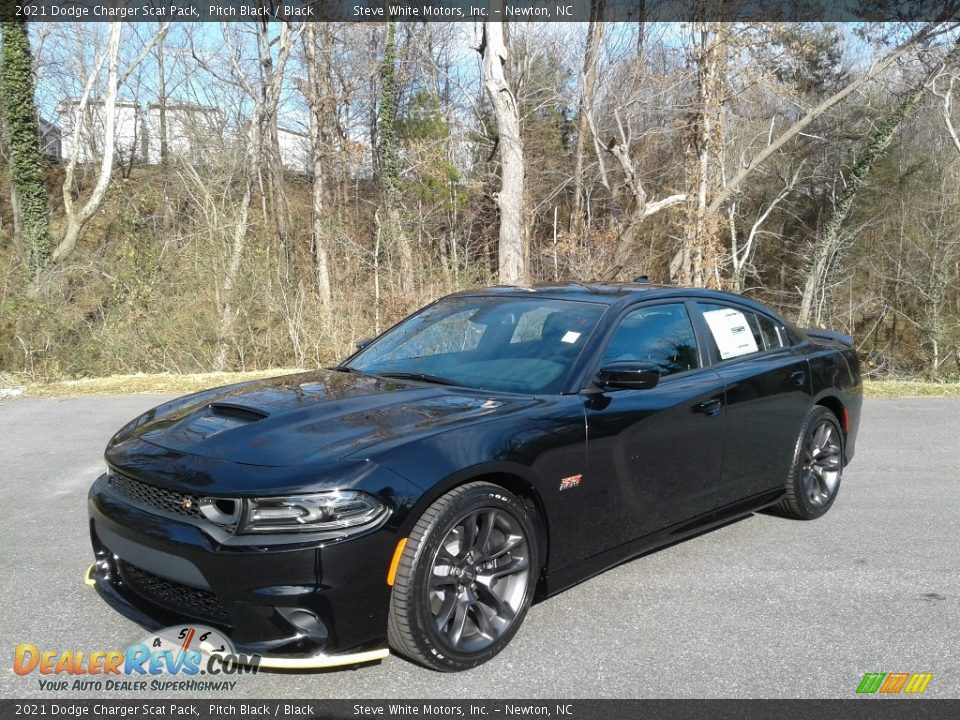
[{"x": 737, "y": 332}]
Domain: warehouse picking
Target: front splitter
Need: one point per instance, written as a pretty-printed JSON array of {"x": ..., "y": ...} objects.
[{"x": 313, "y": 662}]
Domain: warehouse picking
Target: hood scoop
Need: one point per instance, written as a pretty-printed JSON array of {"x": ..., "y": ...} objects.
[
  {"x": 237, "y": 412},
  {"x": 214, "y": 419}
]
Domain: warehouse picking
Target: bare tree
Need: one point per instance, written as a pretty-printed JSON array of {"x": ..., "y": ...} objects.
[
  {"x": 319, "y": 96},
  {"x": 928, "y": 31},
  {"x": 948, "y": 75},
  {"x": 510, "y": 200},
  {"x": 707, "y": 211},
  {"x": 699, "y": 252},
  {"x": 741, "y": 256},
  {"x": 588, "y": 83},
  {"x": 641, "y": 207},
  {"x": 75, "y": 219},
  {"x": 389, "y": 157},
  {"x": 831, "y": 235},
  {"x": 265, "y": 96}
]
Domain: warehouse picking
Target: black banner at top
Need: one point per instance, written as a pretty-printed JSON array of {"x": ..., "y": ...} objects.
[{"x": 480, "y": 10}]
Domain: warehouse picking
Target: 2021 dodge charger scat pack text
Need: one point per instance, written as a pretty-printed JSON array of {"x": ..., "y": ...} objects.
[{"x": 496, "y": 445}]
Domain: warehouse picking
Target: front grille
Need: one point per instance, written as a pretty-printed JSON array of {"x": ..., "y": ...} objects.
[
  {"x": 170, "y": 502},
  {"x": 151, "y": 496},
  {"x": 201, "y": 604}
]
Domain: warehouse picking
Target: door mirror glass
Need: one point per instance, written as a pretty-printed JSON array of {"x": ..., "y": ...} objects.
[
  {"x": 628, "y": 375},
  {"x": 363, "y": 342}
]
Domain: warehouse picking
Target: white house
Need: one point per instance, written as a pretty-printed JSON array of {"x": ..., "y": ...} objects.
[
  {"x": 130, "y": 139},
  {"x": 295, "y": 150},
  {"x": 194, "y": 132}
]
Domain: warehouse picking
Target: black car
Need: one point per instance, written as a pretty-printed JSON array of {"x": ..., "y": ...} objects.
[{"x": 497, "y": 445}]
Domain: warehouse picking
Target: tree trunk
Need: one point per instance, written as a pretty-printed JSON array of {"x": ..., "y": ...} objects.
[
  {"x": 318, "y": 97},
  {"x": 510, "y": 199},
  {"x": 226, "y": 333},
  {"x": 273, "y": 191},
  {"x": 390, "y": 160},
  {"x": 588, "y": 77},
  {"x": 75, "y": 220},
  {"x": 31, "y": 210},
  {"x": 162, "y": 106},
  {"x": 699, "y": 252}
]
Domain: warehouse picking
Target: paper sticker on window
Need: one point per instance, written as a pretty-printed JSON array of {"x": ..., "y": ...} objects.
[
  {"x": 570, "y": 337},
  {"x": 731, "y": 332}
]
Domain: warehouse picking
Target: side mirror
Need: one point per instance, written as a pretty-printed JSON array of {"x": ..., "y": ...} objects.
[
  {"x": 628, "y": 375},
  {"x": 363, "y": 342}
]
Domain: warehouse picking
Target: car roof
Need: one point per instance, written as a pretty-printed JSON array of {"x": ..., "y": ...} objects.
[{"x": 603, "y": 292}]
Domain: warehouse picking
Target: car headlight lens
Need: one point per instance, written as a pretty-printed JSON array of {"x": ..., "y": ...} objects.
[{"x": 336, "y": 510}]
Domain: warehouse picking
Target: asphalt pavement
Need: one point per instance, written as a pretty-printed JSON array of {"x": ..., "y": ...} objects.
[{"x": 765, "y": 607}]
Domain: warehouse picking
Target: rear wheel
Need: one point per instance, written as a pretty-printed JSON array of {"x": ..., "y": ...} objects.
[
  {"x": 815, "y": 475},
  {"x": 465, "y": 579}
]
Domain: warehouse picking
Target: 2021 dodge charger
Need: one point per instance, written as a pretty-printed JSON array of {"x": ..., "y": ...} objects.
[{"x": 496, "y": 445}]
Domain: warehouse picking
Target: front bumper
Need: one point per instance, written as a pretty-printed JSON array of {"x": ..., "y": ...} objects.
[{"x": 298, "y": 605}]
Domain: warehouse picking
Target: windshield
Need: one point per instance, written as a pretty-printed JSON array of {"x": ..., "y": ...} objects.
[{"x": 511, "y": 344}]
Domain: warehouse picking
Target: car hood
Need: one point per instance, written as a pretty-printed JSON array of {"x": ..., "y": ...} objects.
[{"x": 317, "y": 416}]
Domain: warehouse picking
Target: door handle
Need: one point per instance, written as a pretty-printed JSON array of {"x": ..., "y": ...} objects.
[
  {"x": 708, "y": 407},
  {"x": 798, "y": 378}
]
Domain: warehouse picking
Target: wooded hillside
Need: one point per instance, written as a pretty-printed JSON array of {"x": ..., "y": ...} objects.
[{"x": 352, "y": 172}]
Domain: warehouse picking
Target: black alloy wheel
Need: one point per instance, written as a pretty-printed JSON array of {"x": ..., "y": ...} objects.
[
  {"x": 817, "y": 469},
  {"x": 465, "y": 579}
]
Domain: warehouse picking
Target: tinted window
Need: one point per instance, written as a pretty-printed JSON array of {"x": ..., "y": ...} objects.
[
  {"x": 525, "y": 344},
  {"x": 738, "y": 332},
  {"x": 661, "y": 334},
  {"x": 454, "y": 333},
  {"x": 530, "y": 325},
  {"x": 771, "y": 334}
]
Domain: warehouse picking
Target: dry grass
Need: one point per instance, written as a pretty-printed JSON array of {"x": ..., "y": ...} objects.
[
  {"x": 143, "y": 383},
  {"x": 910, "y": 388}
]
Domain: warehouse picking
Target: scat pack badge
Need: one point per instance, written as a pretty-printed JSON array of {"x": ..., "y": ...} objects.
[{"x": 568, "y": 483}]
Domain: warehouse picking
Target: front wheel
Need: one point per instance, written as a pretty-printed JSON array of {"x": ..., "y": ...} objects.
[
  {"x": 465, "y": 579},
  {"x": 814, "y": 478}
]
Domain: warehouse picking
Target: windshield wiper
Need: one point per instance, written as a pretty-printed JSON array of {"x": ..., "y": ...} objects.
[
  {"x": 417, "y": 376},
  {"x": 347, "y": 369}
]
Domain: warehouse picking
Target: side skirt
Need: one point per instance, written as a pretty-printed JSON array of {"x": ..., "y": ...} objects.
[{"x": 568, "y": 577}]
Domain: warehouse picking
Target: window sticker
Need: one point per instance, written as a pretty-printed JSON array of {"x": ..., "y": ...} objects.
[
  {"x": 731, "y": 332},
  {"x": 570, "y": 337}
]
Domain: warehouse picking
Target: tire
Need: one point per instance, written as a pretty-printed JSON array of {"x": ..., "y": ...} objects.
[
  {"x": 451, "y": 609},
  {"x": 817, "y": 469}
]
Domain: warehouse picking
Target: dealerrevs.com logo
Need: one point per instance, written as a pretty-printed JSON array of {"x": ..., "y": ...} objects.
[
  {"x": 894, "y": 683},
  {"x": 171, "y": 659}
]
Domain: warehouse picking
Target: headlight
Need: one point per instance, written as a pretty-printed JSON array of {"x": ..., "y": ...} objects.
[{"x": 316, "y": 512}]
